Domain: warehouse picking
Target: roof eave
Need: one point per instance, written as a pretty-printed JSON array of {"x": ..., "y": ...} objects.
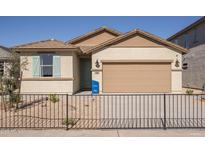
[
  {"x": 135, "y": 31},
  {"x": 44, "y": 49},
  {"x": 76, "y": 39}
]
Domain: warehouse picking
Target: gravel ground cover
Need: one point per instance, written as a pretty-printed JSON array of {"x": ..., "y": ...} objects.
[{"x": 109, "y": 111}]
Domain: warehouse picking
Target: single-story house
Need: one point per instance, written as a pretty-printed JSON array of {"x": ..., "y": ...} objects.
[{"x": 132, "y": 62}]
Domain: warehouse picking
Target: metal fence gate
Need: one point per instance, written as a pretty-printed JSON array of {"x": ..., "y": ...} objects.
[{"x": 103, "y": 111}]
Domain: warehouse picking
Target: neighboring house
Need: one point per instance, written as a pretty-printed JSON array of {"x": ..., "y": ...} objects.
[
  {"x": 5, "y": 54},
  {"x": 132, "y": 62},
  {"x": 193, "y": 38}
]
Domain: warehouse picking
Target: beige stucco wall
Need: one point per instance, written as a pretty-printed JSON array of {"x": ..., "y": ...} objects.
[
  {"x": 71, "y": 71},
  {"x": 47, "y": 86},
  {"x": 161, "y": 53}
]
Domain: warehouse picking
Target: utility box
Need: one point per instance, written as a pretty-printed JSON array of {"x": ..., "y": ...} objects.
[{"x": 95, "y": 87}]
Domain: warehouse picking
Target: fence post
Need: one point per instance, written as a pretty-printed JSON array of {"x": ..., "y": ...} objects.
[
  {"x": 66, "y": 120},
  {"x": 164, "y": 112}
]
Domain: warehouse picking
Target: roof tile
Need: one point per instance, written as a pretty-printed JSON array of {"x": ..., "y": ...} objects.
[
  {"x": 136, "y": 31},
  {"x": 51, "y": 43}
]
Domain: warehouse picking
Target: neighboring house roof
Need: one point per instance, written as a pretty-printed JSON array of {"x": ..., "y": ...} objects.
[
  {"x": 92, "y": 33},
  {"x": 4, "y": 53},
  {"x": 46, "y": 44},
  {"x": 193, "y": 25},
  {"x": 132, "y": 33}
]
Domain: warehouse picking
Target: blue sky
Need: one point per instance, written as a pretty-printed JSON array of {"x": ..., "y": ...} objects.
[{"x": 20, "y": 30}]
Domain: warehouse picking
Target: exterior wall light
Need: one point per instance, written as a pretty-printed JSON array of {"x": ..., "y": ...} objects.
[
  {"x": 177, "y": 61},
  {"x": 97, "y": 64}
]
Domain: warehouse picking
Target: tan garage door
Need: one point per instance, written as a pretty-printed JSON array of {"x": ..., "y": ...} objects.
[{"x": 136, "y": 77}]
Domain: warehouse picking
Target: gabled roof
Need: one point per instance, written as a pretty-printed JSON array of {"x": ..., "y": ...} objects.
[
  {"x": 89, "y": 34},
  {"x": 135, "y": 32},
  {"x": 45, "y": 44},
  {"x": 193, "y": 25}
]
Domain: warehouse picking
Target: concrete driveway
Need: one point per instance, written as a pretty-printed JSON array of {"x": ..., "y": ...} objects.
[{"x": 104, "y": 133}]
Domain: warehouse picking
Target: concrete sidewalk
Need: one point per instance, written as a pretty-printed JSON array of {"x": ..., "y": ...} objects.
[{"x": 104, "y": 133}]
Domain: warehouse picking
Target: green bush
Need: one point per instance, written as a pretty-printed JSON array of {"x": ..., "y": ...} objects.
[
  {"x": 189, "y": 91},
  {"x": 54, "y": 98},
  {"x": 69, "y": 121}
]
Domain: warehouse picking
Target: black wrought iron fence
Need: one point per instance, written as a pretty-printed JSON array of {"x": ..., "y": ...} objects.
[{"x": 102, "y": 111}]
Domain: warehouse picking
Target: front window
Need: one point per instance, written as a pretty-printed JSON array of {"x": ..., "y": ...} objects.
[
  {"x": 1, "y": 68},
  {"x": 176, "y": 41},
  {"x": 186, "y": 41},
  {"x": 46, "y": 65},
  {"x": 195, "y": 35}
]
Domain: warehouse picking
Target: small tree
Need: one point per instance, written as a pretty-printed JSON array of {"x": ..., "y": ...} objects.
[{"x": 11, "y": 81}]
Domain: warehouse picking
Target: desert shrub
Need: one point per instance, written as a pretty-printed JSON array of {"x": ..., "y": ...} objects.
[
  {"x": 189, "y": 91},
  {"x": 69, "y": 121},
  {"x": 54, "y": 98}
]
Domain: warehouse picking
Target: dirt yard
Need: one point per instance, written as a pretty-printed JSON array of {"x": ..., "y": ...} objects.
[{"x": 105, "y": 111}]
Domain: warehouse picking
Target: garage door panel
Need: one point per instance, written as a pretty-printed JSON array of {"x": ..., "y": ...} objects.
[{"x": 136, "y": 77}]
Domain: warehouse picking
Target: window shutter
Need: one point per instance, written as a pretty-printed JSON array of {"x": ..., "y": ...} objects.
[
  {"x": 36, "y": 66},
  {"x": 56, "y": 66}
]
